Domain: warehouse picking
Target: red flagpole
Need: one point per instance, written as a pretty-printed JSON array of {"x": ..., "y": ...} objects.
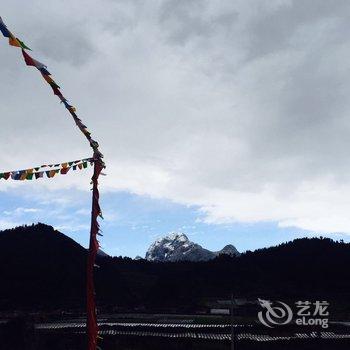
[{"x": 92, "y": 328}]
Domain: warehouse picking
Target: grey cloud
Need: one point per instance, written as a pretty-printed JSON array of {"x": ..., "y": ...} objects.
[
  {"x": 59, "y": 45},
  {"x": 272, "y": 32},
  {"x": 183, "y": 21},
  {"x": 239, "y": 108}
]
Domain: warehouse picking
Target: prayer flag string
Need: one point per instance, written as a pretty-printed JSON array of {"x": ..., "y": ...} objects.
[
  {"x": 42, "y": 68},
  {"x": 50, "y": 170},
  {"x": 92, "y": 329}
]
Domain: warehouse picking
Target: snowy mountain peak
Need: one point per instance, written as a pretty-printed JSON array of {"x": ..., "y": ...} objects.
[
  {"x": 177, "y": 247},
  {"x": 174, "y": 236},
  {"x": 163, "y": 248}
]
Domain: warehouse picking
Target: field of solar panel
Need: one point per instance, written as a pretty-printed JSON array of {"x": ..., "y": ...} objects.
[{"x": 172, "y": 334}]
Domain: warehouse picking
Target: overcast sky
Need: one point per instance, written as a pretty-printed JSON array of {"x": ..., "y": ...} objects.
[{"x": 236, "y": 111}]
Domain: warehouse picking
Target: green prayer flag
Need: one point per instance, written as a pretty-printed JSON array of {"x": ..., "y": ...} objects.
[
  {"x": 29, "y": 176},
  {"x": 23, "y": 45},
  {"x": 85, "y": 165},
  {"x": 53, "y": 84}
]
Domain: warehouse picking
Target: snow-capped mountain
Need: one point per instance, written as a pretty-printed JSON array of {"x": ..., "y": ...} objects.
[{"x": 177, "y": 247}]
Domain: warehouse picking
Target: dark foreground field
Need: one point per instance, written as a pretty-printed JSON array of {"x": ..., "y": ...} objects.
[
  {"x": 77, "y": 342},
  {"x": 70, "y": 335},
  {"x": 150, "y": 343}
]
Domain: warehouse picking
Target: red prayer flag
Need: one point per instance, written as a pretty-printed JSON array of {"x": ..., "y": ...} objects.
[
  {"x": 64, "y": 171},
  {"x": 29, "y": 60}
]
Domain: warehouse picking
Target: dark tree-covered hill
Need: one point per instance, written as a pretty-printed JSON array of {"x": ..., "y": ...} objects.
[{"x": 41, "y": 268}]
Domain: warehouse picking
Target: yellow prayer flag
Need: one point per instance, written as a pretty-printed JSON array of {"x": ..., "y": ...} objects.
[
  {"x": 48, "y": 78},
  {"x": 14, "y": 42}
]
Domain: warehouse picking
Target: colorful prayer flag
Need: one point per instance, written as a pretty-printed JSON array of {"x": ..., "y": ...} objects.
[
  {"x": 53, "y": 84},
  {"x": 47, "y": 78},
  {"x": 5, "y": 32},
  {"x": 23, "y": 45},
  {"x": 56, "y": 90},
  {"x": 64, "y": 171},
  {"x": 30, "y": 61},
  {"x": 14, "y": 41},
  {"x": 44, "y": 71}
]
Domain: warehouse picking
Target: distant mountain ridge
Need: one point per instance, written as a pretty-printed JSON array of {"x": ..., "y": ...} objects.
[{"x": 177, "y": 247}]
